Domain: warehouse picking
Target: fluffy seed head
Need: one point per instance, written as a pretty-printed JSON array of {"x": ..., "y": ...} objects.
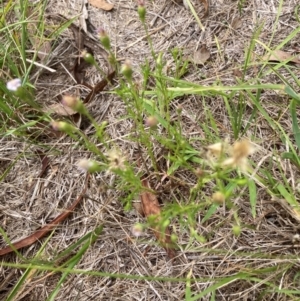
[
  {"x": 116, "y": 160},
  {"x": 240, "y": 152},
  {"x": 216, "y": 149}
]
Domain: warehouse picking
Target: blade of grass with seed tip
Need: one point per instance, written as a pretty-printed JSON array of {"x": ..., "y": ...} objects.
[
  {"x": 74, "y": 260},
  {"x": 252, "y": 196}
]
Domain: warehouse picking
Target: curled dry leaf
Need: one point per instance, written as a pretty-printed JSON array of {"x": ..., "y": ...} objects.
[
  {"x": 151, "y": 207},
  {"x": 206, "y": 7},
  {"x": 237, "y": 73},
  {"x": 101, "y": 4},
  {"x": 201, "y": 55},
  {"x": 281, "y": 56},
  {"x": 236, "y": 23},
  {"x": 60, "y": 110}
]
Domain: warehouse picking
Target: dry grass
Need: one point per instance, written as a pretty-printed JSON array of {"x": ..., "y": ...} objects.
[{"x": 270, "y": 234}]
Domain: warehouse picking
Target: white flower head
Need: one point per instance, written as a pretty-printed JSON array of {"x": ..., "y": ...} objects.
[
  {"x": 14, "y": 84},
  {"x": 241, "y": 150},
  {"x": 116, "y": 160}
]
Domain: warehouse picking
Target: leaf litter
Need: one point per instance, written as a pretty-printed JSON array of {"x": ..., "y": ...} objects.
[
  {"x": 102, "y": 4},
  {"x": 281, "y": 56},
  {"x": 201, "y": 55},
  {"x": 151, "y": 207}
]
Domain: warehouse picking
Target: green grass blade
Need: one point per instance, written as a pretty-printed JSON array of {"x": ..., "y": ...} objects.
[
  {"x": 188, "y": 292},
  {"x": 192, "y": 9},
  {"x": 74, "y": 260},
  {"x": 252, "y": 196},
  {"x": 295, "y": 126}
]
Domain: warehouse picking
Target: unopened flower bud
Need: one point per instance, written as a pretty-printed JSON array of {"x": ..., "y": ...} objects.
[
  {"x": 74, "y": 103},
  {"x": 137, "y": 229},
  {"x": 126, "y": 70},
  {"x": 62, "y": 126},
  {"x": 104, "y": 39},
  {"x": 174, "y": 238},
  {"x": 151, "y": 121},
  {"x": 218, "y": 197},
  {"x": 199, "y": 172},
  {"x": 142, "y": 10},
  {"x": 88, "y": 165},
  {"x": 88, "y": 57},
  {"x": 15, "y": 86},
  {"x": 236, "y": 229}
]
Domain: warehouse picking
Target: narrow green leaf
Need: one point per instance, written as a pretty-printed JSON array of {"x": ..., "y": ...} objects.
[
  {"x": 296, "y": 130},
  {"x": 287, "y": 196},
  {"x": 74, "y": 260},
  {"x": 188, "y": 293},
  {"x": 289, "y": 91},
  {"x": 253, "y": 196},
  {"x": 213, "y": 208},
  {"x": 220, "y": 284}
]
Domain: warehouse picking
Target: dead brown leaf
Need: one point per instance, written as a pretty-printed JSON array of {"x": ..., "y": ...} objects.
[
  {"x": 281, "y": 56},
  {"x": 237, "y": 73},
  {"x": 201, "y": 55},
  {"x": 61, "y": 110},
  {"x": 206, "y": 7},
  {"x": 139, "y": 208},
  {"x": 236, "y": 23},
  {"x": 151, "y": 207},
  {"x": 101, "y": 4}
]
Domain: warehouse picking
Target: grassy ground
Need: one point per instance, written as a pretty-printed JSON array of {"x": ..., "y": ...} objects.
[{"x": 206, "y": 110}]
